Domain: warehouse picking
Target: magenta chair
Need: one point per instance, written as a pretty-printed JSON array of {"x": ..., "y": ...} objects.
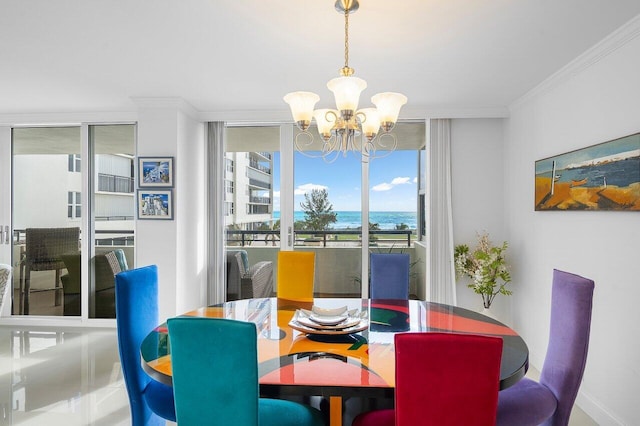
[
  {"x": 389, "y": 275},
  {"x": 550, "y": 400},
  {"x": 151, "y": 402},
  {"x": 442, "y": 379}
]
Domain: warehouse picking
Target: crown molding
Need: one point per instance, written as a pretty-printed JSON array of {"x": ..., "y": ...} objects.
[
  {"x": 67, "y": 118},
  {"x": 407, "y": 113},
  {"x": 595, "y": 54},
  {"x": 165, "y": 103}
]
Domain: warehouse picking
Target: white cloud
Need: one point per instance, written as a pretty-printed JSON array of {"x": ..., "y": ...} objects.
[
  {"x": 308, "y": 187},
  {"x": 415, "y": 179},
  {"x": 382, "y": 187},
  {"x": 276, "y": 194},
  {"x": 388, "y": 186},
  {"x": 400, "y": 181}
]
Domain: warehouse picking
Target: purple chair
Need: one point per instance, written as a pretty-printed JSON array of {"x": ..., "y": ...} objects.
[{"x": 550, "y": 401}]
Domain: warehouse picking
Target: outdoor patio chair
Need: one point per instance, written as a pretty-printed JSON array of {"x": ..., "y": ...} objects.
[
  {"x": 43, "y": 250},
  {"x": 248, "y": 282}
]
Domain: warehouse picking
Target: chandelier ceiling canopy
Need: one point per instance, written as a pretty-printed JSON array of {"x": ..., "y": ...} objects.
[{"x": 347, "y": 128}]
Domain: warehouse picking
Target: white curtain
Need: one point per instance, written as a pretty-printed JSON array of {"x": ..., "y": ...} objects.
[
  {"x": 441, "y": 284},
  {"x": 215, "y": 213}
]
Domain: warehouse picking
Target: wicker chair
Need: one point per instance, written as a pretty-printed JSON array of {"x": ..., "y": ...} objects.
[
  {"x": 5, "y": 280},
  {"x": 43, "y": 249},
  {"x": 244, "y": 282},
  {"x": 105, "y": 266}
]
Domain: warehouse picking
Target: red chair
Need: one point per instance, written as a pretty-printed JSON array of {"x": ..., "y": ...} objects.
[{"x": 442, "y": 379}]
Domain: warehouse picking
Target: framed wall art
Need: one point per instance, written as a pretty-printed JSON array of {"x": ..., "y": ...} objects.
[
  {"x": 155, "y": 172},
  {"x": 600, "y": 177},
  {"x": 155, "y": 204}
]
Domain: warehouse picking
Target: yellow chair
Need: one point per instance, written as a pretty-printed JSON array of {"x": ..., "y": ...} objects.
[{"x": 296, "y": 270}]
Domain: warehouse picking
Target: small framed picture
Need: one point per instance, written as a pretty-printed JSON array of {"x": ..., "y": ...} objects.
[
  {"x": 155, "y": 204},
  {"x": 156, "y": 172}
]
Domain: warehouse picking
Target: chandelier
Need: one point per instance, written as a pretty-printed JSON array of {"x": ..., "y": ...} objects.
[{"x": 347, "y": 128}]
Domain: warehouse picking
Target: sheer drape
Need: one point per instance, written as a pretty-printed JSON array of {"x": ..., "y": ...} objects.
[
  {"x": 215, "y": 212},
  {"x": 441, "y": 285}
]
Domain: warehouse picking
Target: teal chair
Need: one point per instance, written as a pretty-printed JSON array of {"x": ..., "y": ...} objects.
[{"x": 215, "y": 377}]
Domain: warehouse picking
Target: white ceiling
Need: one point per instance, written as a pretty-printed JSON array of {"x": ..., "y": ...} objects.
[{"x": 223, "y": 55}]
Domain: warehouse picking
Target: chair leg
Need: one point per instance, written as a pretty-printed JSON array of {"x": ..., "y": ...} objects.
[
  {"x": 58, "y": 290},
  {"x": 27, "y": 289}
]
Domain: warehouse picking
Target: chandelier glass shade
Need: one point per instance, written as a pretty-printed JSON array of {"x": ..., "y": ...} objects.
[{"x": 347, "y": 128}]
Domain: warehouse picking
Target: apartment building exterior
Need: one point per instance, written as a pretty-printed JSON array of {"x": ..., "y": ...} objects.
[{"x": 248, "y": 196}]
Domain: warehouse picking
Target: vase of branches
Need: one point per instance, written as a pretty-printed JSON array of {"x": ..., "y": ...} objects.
[{"x": 487, "y": 268}]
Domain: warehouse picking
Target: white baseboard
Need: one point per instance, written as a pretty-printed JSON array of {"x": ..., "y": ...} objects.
[{"x": 596, "y": 411}]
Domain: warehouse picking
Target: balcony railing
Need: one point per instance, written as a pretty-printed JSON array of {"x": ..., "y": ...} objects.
[
  {"x": 113, "y": 183},
  {"x": 260, "y": 200},
  {"x": 259, "y": 183},
  {"x": 258, "y": 166},
  {"x": 323, "y": 238},
  {"x": 106, "y": 237}
]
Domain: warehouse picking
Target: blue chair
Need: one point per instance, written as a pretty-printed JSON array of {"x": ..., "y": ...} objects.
[
  {"x": 389, "y": 276},
  {"x": 550, "y": 400},
  {"x": 136, "y": 315},
  {"x": 214, "y": 365}
]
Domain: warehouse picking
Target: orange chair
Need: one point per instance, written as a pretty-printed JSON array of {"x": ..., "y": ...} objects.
[
  {"x": 442, "y": 379},
  {"x": 296, "y": 271}
]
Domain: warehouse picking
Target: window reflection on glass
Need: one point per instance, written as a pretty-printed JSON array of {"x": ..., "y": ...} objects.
[
  {"x": 113, "y": 204},
  {"x": 46, "y": 199}
]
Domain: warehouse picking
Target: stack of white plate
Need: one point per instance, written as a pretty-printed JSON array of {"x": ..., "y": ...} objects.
[{"x": 329, "y": 321}]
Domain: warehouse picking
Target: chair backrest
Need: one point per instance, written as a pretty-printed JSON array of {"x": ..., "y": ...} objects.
[
  {"x": 114, "y": 262},
  {"x": 215, "y": 371},
  {"x": 5, "y": 280},
  {"x": 446, "y": 379},
  {"x": 389, "y": 275},
  {"x": 571, "y": 304},
  {"x": 136, "y": 316},
  {"x": 235, "y": 272},
  {"x": 46, "y": 245},
  {"x": 296, "y": 273}
]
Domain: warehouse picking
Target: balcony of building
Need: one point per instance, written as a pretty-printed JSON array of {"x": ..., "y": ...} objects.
[{"x": 338, "y": 255}]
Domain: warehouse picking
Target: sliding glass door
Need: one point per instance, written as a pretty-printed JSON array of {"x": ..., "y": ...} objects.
[
  {"x": 47, "y": 217},
  {"x": 72, "y": 201},
  {"x": 278, "y": 198}
]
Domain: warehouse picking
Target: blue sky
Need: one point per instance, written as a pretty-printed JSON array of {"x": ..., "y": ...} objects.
[{"x": 393, "y": 181}]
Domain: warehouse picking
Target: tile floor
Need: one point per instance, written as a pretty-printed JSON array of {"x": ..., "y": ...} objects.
[{"x": 73, "y": 377}]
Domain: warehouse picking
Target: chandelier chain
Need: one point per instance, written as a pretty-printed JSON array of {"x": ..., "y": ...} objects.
[{"x": 346, "y": 38}]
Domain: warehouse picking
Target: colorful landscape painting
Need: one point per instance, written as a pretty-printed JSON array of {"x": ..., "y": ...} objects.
[{"x": 600, "y": 177}]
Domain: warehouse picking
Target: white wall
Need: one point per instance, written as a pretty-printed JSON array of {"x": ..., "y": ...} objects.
[
  {"x": 191, "y": 257},
  {"x": 477, "y": 179},
  {"x": 176, "y": 246},
  {"x": 596, "y": 99}
]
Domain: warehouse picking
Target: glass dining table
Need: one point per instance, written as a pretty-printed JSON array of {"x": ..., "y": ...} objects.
[{"x": 337, "y": 365}]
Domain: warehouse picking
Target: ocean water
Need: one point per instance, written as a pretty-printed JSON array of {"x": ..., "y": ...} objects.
[
  {"x": 619, "y": 173},
  {"x": 349, "y": 219}
]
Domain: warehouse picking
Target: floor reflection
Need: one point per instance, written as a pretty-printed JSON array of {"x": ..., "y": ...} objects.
[{"x": 61, "y": 378}]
